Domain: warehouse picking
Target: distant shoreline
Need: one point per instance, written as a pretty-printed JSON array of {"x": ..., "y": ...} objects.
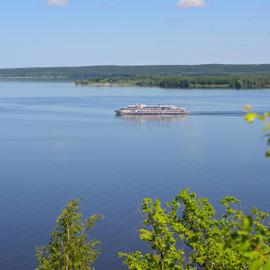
[
  {"x": 187, "y": 82},
  {"x": 114, "y": 71},
  {"x": 213, "y": 76},
  {"x": 107, "y": 84},
  {"x": 238, "y": 83}
]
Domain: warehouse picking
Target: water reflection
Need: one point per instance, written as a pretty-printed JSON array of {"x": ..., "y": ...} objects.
[{"x": 151, "y": 118}]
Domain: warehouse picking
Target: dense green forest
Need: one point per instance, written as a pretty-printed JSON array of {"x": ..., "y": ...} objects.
[
  {"x": 177, "y": 76},
  {"x": 228, "y": 81},
  {"x": 78, "y": 73}
]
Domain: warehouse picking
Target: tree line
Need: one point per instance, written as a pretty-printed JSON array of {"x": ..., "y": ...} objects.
[
  {"x": 186, "y": 82},
  {"x": 85, "y": 72}
]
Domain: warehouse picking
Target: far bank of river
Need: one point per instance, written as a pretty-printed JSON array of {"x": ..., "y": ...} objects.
[{"x": 188, "y": 82}]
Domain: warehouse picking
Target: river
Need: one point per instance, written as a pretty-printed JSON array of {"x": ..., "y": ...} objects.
[{"x": 59, "y": 142}]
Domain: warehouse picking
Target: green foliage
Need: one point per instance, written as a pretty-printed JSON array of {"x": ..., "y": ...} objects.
[
  {"x": 82, "y": 73},
  {"x": 188, "y": 227},
  {"x": 252, "y": 116},
  {"x": 160, "y": 237},
  {"x": 165, "y": 76},
  {"x": 228, "y": 81},
  {"x": 69, "y": 247}
]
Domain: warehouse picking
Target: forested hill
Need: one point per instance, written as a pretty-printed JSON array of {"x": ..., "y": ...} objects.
[{"x": 78, "y": 73}]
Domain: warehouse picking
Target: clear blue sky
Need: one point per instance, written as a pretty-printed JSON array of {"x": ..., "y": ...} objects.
[{"x": 133, "y": 32}]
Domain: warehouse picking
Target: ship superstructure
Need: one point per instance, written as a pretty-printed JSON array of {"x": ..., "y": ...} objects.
[{"x": 142, "y": 109}]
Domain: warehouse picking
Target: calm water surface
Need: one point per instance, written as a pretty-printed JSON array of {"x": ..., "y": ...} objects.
[{"x": 59, "y": 142}]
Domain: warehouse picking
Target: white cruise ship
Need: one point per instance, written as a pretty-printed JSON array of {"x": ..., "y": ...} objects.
[{"x": 142, "y": 109}]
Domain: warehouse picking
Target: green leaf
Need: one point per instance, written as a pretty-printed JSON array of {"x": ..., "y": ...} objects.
[{"x": 250, "y": 117}]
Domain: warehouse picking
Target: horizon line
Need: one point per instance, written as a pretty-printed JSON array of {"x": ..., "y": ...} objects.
[{"x": 140, "y": 65}]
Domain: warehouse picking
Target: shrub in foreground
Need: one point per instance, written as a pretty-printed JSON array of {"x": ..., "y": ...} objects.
[
  {"x": 187, "y": 234},
  {"x": 69, "y": 247}
]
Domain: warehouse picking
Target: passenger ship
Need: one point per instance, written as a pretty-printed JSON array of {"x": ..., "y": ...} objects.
[{"x": 142, "y": 109}]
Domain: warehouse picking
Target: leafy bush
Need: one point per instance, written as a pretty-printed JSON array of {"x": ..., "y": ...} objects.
[{"x": 187, "y": 234}]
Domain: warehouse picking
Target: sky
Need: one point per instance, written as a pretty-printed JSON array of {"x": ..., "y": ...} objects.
[{"x": 41, "y": 33}]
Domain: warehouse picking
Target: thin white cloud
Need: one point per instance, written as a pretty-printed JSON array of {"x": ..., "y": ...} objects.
[
  {"x": 191, "y": 3},
  {"x": 57, "y": 2}
]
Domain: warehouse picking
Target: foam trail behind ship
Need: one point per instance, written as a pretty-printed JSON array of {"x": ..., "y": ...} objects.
[{"x": 210, "y": 113}]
